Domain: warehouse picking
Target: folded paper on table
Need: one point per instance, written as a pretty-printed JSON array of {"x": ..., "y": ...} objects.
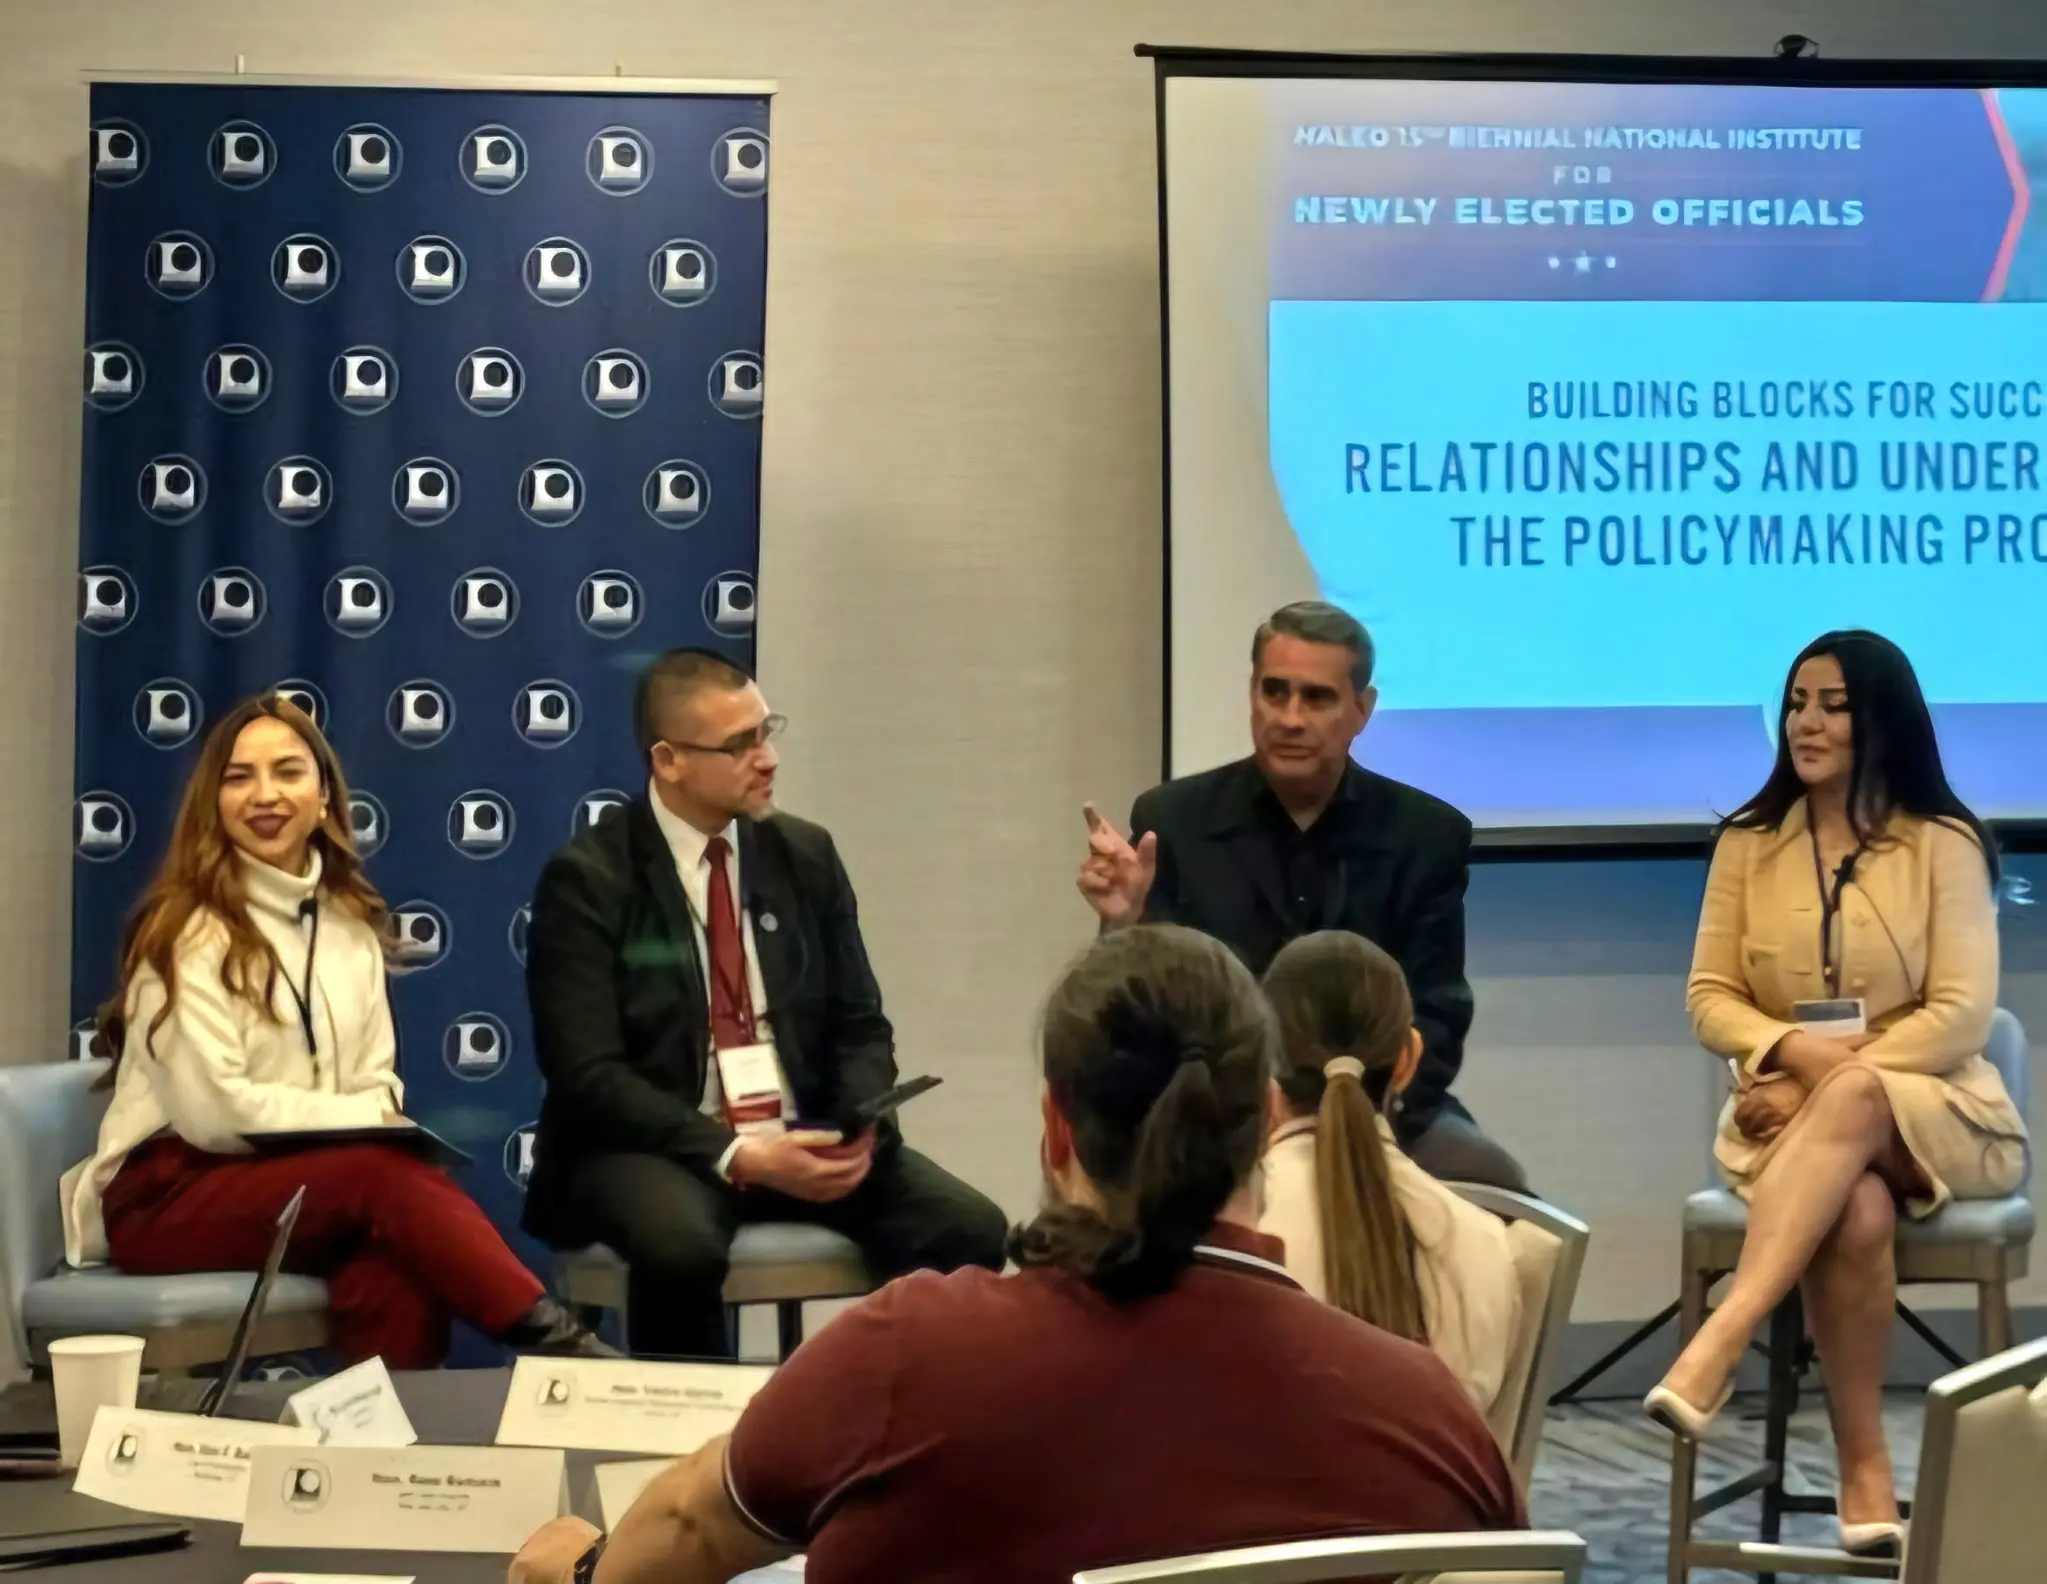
[
  {"x": 179, "y": 1465},
  {"x": 625, "y": 1405},
  {"x": 419, "y": 1498}
]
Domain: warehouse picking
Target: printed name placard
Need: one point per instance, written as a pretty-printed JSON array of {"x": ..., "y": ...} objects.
[
  {"x": 619, "y": 1486},
  {"x": 329, "y": 1578},
  {"x": 623, "y": 1405},
  {"x": 358, "y": 1407},
  {"x": 179, "y": 1465},
  {"x": 418, "y": 1498}
]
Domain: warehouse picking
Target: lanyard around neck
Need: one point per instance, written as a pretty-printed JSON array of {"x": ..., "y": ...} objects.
[
  {"x": 309, "y": 910},
  {"x": 1830, "y": 905}
]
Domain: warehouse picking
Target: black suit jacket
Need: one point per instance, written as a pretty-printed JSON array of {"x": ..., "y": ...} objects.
[
  {"x": 621, "y": 1018},
  {"x": 1394, "y": 863}
]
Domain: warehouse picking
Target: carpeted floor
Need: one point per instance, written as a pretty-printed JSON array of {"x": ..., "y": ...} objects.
[{"x": 1605, "y": 1473}]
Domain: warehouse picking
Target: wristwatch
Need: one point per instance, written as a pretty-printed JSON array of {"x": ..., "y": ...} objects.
[{"x": 586, "y": 1564}]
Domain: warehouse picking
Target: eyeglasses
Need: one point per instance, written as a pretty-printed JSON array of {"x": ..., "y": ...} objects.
[{"x": 740, "y": 746}]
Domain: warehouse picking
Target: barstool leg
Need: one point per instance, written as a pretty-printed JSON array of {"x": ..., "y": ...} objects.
[
  {"x": 1787, "y": 1334},
  {"x": 1993, "y": 1317},
  {"x": 789, "y": 1326},
  {"x": 1684, "y": 1479}
]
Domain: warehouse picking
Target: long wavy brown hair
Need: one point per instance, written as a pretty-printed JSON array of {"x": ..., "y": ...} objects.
[{"x": 199, "y": 874}]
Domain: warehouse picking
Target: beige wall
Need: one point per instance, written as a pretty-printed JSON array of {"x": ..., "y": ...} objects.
[{"x": 961, "y": 560}]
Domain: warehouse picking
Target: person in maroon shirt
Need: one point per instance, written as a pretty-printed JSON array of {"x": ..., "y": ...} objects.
[{"x": 1151, "y": 1383}]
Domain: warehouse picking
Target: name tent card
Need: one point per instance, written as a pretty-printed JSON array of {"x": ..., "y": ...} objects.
[
  {"x": 624, "y": 1405},
  {"x": 418, "y": 1498},
  {"x": 619, "y": 1486},
  {"x": 358, "y": 1407},
  {"x": 330, "y": 1578},
  {"x": 178, "y": 1465}
]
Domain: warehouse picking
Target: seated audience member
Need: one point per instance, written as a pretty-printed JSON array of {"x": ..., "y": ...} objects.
[
  {"x": 1151, "y": 1383},
  {"x": 1364, "y": 1227},
  {"x": 1854, "y": 874},
  {"x": 251, "y": 1000},
  {"x": 1300, "y": 837},
  {"x": 706, "y": 1020}
]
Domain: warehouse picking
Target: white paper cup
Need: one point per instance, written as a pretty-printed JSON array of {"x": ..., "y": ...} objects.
[{"x": 91, "y": 1373}]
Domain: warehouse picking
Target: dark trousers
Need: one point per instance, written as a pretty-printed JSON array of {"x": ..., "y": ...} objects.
[
  {"x": 1453, "y": 1149},
  {"x": 401, "y": 1247},
  {"x": 674, "y": 1229}
]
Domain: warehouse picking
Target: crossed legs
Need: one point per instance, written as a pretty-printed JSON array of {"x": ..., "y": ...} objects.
[{"x": 1822, "y": 1214}]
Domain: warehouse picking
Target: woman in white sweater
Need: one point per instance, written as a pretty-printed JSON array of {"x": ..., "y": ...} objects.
[
  {"x": 252, "y": 999},
  {"x": 1365, "y": 1228}
]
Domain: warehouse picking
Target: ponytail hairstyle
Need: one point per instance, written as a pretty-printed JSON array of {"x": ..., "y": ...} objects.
[
  {"x": 1336, "y": 994},
  {"x": 1158, "y": 1052}
]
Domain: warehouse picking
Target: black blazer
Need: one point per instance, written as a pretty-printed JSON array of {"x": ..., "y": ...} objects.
[
  {"x": 621, "y": 1020},
  {"x": 1399, "y": 858}
]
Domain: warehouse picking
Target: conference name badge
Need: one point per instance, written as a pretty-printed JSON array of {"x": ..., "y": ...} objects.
[
  {"x": 358, "y": 1407},
  {"x": 625, "y": 1405},
  {"x": 751, "y": 1081},
  {"x": 1842, "y": 1017},
  {"x": 177, "y": 1465},
  {"x": 486, "y": 1500}
]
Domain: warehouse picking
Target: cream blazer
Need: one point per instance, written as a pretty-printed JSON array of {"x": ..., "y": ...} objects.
[
  {"x": 221, "y": 1069},
  {"x": 1916, "y": 938},
  {"x": 1463, "y": 1263}
]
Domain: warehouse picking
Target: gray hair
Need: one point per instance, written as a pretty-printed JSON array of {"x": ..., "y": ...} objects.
[{"x": 1319, "y": 622}]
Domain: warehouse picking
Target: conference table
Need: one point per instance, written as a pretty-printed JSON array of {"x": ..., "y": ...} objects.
[{"x": 447, "y": 1407}]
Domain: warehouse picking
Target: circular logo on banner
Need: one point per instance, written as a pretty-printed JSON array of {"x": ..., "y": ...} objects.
[
  {"x": 357, "y": 601},
  {"x": 113, "y": 375},
  {"x": 610, "y": 604},
  {"x": 490, "y": 381},
  {"x": 519, "y": 1154},
  {"x": 306, "y": 698},
  {"x": 167, "y": 713},
  {"x": 739, "y": 161},
  {"x": 615, "y": 382},
  {"x": 420, "y": 713},
  {"x": 232, "y": 601},
  {"x": 547, "y": 713},
  {"x": 364, "y": 380},
  {"x": 305, "y": 267},
  {"x": 737, "y": 385},
  {"x": 241, "y": 155},
  {"x": 106, "y": 600},
  {"x": 298, "y": 491},
  {"x": 593, "y": 806},
  {"x": 119, "y": 152},
  {"x": 515, "y": 933},
  {"x": 619, "y": 162},
  {"x": 476, "y": 1047},
  {"x": 179, "y": 265},
  {"x": 368, "y": 823},
  {"x": 431, "y": 269},
  {"x": 172, "y": 489},
  {"x": 677, "y": 494},
  {"x": 551, "y": 492},
  {"x": 102, "y": 826},
  {"x": 480, "y": 824},
  {"x": 420, "y": 937},
  {"x": 493, "y": 159},
  {"x": 426, "y": 491},
  {"x": 484, "y": 602},
  {"x": 728, "y": 604},
  {"x": 557, "y": 271},
  {"x": 238, "y": 378},
  {"x": 367, "y": 157},
  {"x": 682, "y": 272}
]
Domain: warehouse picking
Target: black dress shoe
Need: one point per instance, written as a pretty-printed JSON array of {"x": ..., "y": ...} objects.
[{"x": 548, "y": 1328}]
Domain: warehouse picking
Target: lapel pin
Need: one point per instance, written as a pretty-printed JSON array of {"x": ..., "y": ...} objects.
[{"x": 770, "y": 923}]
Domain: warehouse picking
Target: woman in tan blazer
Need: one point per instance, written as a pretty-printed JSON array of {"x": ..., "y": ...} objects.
[{"x": 1854, "y": 875}]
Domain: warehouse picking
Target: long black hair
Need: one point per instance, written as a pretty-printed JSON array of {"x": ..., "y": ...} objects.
[
  {"x": 1896, "y": 766},
  {"x": 1159, "y": 1049}
]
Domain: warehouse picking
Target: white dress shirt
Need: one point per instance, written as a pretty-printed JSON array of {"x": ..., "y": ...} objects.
[{"x": 693, "y": 868}]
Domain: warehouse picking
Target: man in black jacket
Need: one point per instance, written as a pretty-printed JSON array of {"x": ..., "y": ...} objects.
[
  {"x": 1299, "y": 838},
  {"x": 707, "y": 1035}
]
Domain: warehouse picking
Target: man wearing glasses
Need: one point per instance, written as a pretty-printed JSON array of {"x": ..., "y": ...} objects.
[{"x": 707, "y": 1023}]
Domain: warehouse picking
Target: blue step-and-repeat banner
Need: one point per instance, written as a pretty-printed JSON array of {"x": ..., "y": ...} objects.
[{"x": 439, "y": 410}]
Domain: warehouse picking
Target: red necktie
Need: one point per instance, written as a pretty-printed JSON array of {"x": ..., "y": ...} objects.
[{"x": 731, "y": 995}]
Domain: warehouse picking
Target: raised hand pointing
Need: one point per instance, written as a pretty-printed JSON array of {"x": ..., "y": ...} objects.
[{"x": 1116, "y": 877}]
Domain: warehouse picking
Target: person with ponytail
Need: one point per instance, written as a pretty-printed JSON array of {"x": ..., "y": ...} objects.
[
  {"x": 1150, "y": 1383},
  {"x": 1364, "y": 1227},
  {"x": 251, "y": 999}
]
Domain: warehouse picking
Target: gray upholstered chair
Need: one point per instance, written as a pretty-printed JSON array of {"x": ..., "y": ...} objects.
[
  {"x": 1982, "y": 1242},
  {"x": 49, "y": 1121},
  {"x": 1977, "y": 1514},
  {"x": 784, "y": 1263},
  {"x": 1524, "y": 1557}
]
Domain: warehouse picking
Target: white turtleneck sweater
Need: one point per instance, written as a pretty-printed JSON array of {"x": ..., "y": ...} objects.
[{"x": 220, "y": 1069}]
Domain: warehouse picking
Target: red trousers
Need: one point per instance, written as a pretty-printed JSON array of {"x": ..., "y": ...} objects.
[{"x": 402, "y": 1249}]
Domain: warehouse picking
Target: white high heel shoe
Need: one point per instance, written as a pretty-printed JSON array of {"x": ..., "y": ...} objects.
[
  {"x": 1873, "y": 1539},
  {"x": 1680, "y": 1417}
]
